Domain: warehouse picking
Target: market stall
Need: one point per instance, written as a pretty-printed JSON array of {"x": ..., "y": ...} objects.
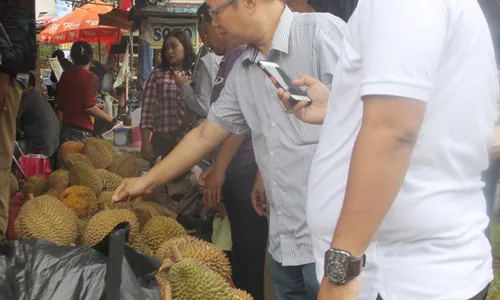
[
  {"x": 66, "y": 230},
  {"x": 154, "y": 22}
]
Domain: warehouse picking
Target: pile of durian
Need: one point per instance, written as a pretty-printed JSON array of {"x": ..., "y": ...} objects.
[{"x": 73, "y": 207}]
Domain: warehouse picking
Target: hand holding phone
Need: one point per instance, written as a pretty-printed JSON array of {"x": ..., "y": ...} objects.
[
  {"x": 281, "y": 80},
  {"x": 312, "y": 112}
]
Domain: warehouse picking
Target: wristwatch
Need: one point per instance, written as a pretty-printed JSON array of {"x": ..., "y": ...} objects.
[{"x": 341, "y": 266}]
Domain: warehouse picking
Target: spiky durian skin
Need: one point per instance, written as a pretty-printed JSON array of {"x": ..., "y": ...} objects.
[
  {"x": 46, "y": 218},
  {"x": 145, "y": 211},
  {"x": 13, "y": 185},
  {"x": 160, "y": 229},
  {"x": 99, "y": 152},
  {"x": 162, "y": 279},
  {"x": 108, "y": 144},
  {"x": 59, "y": 179},
  {"x": 105, "y": 201},
  {"x": 70, "y": 147},
  {"x": 81, "y": 199},
  {"x": 81, "y": 173},
  {"x": 205, "y": 253},
  {"x": 190, "y": 280},
  {"x": 165, "y": 249},
  {"x": 71, "y": 158},
  {"x": 102, "y": 223},
  {"x": 238, "y": 294},
  {"x": 110, "y": 181},
  {"x": 82, "y": 225},
  {"x": 139, "y": 245},
  {"x": 125, "y": 166},
  {"x": 36, "y": 185}
]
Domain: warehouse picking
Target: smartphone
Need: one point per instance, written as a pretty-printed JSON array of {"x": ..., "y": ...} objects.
[{"x": 281, "y": 80}]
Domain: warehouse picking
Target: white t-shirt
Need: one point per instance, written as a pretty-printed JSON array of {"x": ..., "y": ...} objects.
[{"x": 431, "y": 244}]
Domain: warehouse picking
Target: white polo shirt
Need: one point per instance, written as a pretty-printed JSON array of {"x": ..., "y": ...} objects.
[{"x": 431, "y": 245}]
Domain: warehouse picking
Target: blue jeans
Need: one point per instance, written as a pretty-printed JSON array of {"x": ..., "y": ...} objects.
[{"x": 293, "y": 282}]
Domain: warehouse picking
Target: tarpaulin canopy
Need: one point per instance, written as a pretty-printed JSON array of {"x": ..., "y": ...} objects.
[{"x": 115, "y": 18}]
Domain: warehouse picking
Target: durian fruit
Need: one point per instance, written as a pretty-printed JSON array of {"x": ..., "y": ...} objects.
[
  {"x": 205, "y": 253},
  {"x": 110, "y": 181},
  {"x": 101, "y": 224},
  {"x": 13, "y": 185},
  {"x": 55, "y": 192},
  {"x": 145, "y": 211},
  {"x": 164, "y": 252},
  {"x": 46, "y": 218},
  {"x": 70, "y": 147},
  {"x": 160, "y": 229},
  {"x": 105, "y": 201},
  {"x": 81, "y": 173},
  {"x": 139, "y": 245},
  {"x": 82, "y": 225},
  {"x": 191, "y": 280},
  {"x": 238, "y": 294},
  {"x": 99, "y": 152},
  {"x": 165, "y": 291},
  {"x": 163, "y": 280},
  {"x": 71, "y": 158},
  {"x": 59, "y": 179},
  {"x": 36, "y": 185},
  {"x": 108, "y": 144},
  {"x": 125, "y": 166},
  {"x": 81, "y": 199}
]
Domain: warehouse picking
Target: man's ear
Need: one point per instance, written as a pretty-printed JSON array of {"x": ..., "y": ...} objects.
[{"x": 251, "y": 5}]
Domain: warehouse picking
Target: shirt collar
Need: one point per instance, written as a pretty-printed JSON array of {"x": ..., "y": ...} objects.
[
  {"x": 229, "y": 53},
  {"x": 280, "y": 41}
]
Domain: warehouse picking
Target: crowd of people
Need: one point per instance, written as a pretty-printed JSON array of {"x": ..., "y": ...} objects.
[
  {"x": 373, "y": 190},
  {"x": 42, "y": 125},
  {"x": 370, "y": 190}
]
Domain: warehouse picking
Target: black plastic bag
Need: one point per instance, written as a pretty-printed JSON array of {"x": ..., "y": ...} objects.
[{"x": 39, "y": 270}]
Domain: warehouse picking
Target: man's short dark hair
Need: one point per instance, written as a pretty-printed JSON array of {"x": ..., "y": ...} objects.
[
  {"x": 59, "y": 54},
  {"x": 202, "y": 14}
]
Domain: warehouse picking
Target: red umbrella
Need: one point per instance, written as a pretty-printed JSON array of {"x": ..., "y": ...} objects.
[{"x": 81, "y": 24}]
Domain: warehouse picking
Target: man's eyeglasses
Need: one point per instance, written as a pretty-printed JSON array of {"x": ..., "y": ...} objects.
[{"x": 212, "y": 13}]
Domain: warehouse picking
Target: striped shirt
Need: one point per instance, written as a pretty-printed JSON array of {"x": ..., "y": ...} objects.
[{"x": 284, "y": 146}]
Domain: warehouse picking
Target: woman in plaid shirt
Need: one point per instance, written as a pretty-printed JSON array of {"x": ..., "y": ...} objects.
[{"x": 163, "y": 112}]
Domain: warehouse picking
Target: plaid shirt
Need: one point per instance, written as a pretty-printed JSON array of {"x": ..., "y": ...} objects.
[{"x": 162, "y": 109}]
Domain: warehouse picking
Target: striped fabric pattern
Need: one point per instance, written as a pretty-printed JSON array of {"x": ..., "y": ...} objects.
[
  {"x": 162, "y": 109},
  {"x": 284, "y": 146}
]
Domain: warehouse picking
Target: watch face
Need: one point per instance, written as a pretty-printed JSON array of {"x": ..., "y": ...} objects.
[{"x": 336, "y": 266}]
